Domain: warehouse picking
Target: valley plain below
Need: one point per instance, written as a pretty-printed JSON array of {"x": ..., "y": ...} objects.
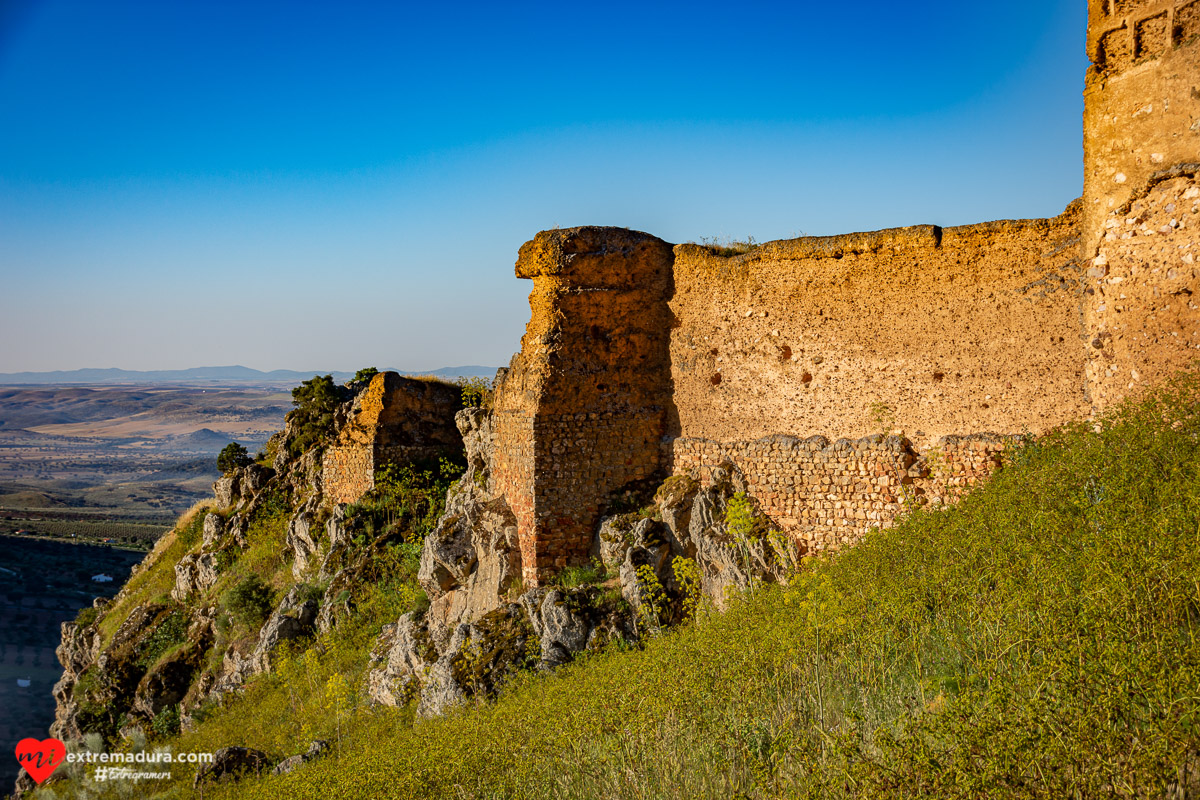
[{"x": 120, "y": 462}]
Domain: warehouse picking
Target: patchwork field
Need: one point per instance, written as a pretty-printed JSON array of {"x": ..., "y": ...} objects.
[{"x": 145, "y": 451}]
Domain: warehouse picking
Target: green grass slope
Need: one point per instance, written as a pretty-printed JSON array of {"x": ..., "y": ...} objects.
[{"x": 1039, "y": 639}]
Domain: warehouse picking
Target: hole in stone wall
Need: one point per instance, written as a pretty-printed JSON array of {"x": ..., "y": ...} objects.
[
  {"x": 712, "y": 352},
  {"x": 1187, "y": 22},
  {"x": 1116, "y": 50},
  {"x": 715, "y": 380},
  {"x": 937, "y": 377},
  {"x": 806, "y": 378},
  {"x": 785, "y": 353},
  {"x": 1152, "y": 36}
]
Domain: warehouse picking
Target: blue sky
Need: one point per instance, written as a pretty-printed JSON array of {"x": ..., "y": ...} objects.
[{"x": 328, "y": 186}]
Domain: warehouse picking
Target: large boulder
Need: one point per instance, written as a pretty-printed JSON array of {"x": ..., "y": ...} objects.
[{"x": 316, "y": 749}]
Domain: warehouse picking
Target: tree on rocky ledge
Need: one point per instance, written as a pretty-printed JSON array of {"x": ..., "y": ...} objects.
[{"x": 232, "y": 456}]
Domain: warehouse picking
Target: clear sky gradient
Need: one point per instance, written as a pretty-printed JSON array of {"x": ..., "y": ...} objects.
[{"x": 327, "y": 186}]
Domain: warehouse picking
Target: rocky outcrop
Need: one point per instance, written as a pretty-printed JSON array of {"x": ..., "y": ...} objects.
[
  {"x": 239, "y": 487},
  {"x": 231, "y": 764},
  {"x": 293, "y": 619},
  {"x": 302, "y": 539},
  {"x": 194, "y": 574},
  {"x": 473, "y": 558},
  {"x": 315, "y": 750}
]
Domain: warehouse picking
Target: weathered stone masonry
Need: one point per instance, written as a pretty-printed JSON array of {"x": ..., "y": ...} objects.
[
  {"x": 641, "y": 358},
  {"x": 829, "y": 494},
  {"x": 583, "y": 407},
  {"x": 394, "y": 420}
]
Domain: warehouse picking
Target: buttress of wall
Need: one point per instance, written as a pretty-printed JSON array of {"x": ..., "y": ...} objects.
[
  {"x": 1142, "y": 230},
  {"x": 954, "y": 330},
  {"x": 588, "y": 394},
  {"x": 393, "y": 420}
]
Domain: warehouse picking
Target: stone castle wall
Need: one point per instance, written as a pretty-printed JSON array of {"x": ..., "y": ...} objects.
[
  {"x": 828, "y": 495},
  {"x": 394, "y": 420},
  {"x": 954, "y": 330},
  {"x": 641, "y": 358},
  {"x": 1141, "y": 134}
]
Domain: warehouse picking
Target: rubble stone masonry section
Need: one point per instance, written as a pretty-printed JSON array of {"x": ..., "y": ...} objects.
[
  {"x": 954, "y": 330},
  {"x": 828, "y": 495}
]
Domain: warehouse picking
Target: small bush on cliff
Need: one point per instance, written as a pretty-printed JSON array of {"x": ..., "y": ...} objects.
[
  {"x": 363, "y": 376},
  {"x": 249, "y": 601},
  {"x": 169, "y": 632},
  {"x": 86, "y": 617},
  {"x": 476, "y": 392},
  {"x": 166, "y": 722},
  {"x": 315, "y": 402},
  {"x": 231, "y": 457},
  {"x": 591, "y": 573}
]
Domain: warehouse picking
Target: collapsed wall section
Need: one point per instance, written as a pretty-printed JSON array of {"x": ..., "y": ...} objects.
[
  {"x": 582, "y": 409},
  {"x": 933, "y": 331},
  {"x": 1141, "y": 134},
  {"x": 394, "y": 420}
]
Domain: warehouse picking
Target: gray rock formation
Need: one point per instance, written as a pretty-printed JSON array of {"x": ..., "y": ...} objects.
[
  {"x": 302, "y": 541},
  {"x": 194, "y": 574},
  {"x": 471, "y": 560},
  {"x": 315, "y": 750}
]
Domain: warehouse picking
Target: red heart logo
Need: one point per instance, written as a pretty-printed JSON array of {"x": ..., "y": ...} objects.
[{"x": 40, "y": 758}]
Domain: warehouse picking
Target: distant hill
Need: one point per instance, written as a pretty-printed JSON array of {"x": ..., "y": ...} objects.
[{"x": 209, "y": 375}]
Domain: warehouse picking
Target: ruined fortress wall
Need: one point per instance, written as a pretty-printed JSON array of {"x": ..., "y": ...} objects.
[
  {"x": 394, "y": 420},
  {"x": 587, "y": 396},
  {"x": 954, "y": 330},
  {"x": 638, "y": 357},
  {"x": 1142, "y": 215},
  {"x": 828, "y": 495}
]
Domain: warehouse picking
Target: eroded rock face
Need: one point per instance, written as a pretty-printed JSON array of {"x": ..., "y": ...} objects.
[
  {"x": 693, "y": 526},
  {"x": 295, "y": 618},
  {"x": 302, "y": 541},
  {"x": 241, "y": 486},
  {"x": 471, "y": 560},
  {"x": 545, "y": 628},
  {"x": 194, "y": 574}
]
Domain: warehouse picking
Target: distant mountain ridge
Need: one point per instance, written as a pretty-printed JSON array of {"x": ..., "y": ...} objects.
[{"x": 210, "y": 375}]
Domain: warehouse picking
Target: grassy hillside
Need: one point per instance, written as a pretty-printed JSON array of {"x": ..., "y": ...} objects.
[{"x": 1037, "y": 640}]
